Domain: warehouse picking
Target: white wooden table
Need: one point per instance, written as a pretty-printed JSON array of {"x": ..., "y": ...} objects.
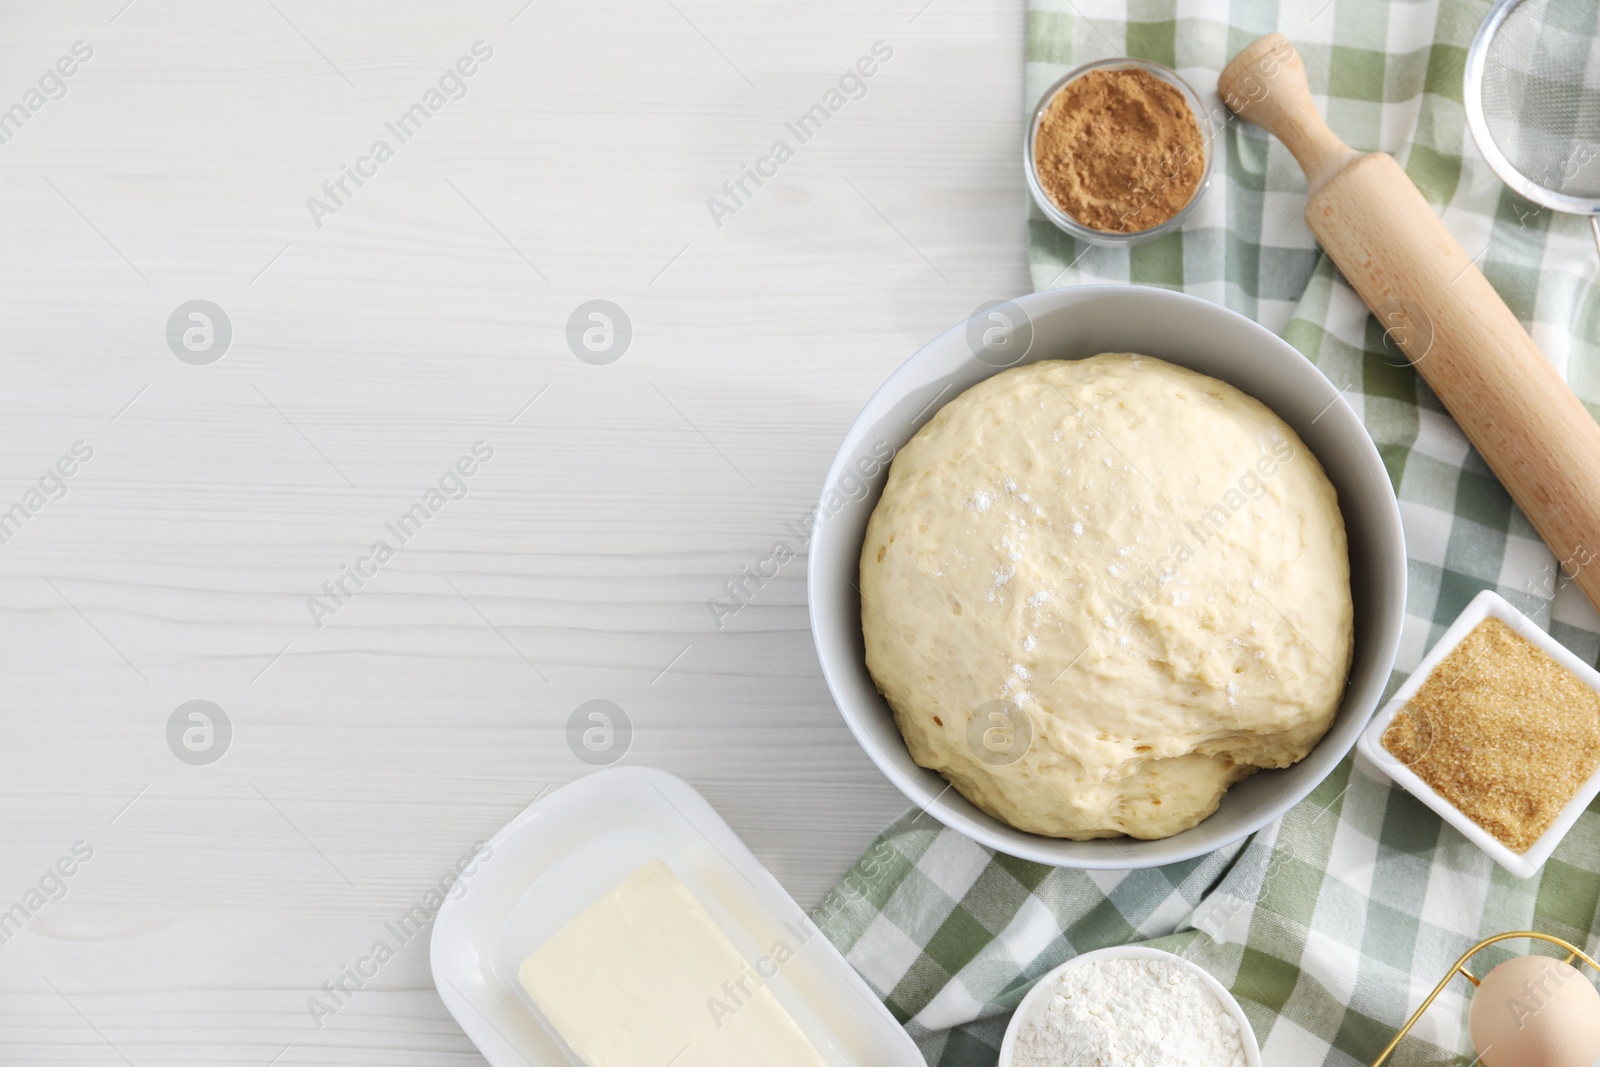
[{"x": 426, "y": 313}]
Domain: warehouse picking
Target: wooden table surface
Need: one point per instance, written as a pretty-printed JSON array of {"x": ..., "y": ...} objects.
[{"x": 376, "y": 338}]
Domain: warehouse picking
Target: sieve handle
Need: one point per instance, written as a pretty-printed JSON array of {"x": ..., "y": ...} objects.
[{"x": 1432, "y": 300}]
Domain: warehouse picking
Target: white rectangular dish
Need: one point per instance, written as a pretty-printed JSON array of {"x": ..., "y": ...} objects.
[
  {"x": 1484, "y": 605},
  {"x": 562, "y": 853}
]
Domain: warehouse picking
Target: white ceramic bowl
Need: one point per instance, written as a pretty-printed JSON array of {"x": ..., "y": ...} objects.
[
  {"x": 1485, "y": 604},
  {"x": 1033, "y": 1002},
  {"x": 1074, "y": 323}
]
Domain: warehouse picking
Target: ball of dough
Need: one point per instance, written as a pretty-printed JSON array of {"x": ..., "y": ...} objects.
[{"x": 1096, "y": 593}]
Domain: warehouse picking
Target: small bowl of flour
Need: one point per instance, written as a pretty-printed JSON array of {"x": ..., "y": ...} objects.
[{"x": 1129, "y": 1007}]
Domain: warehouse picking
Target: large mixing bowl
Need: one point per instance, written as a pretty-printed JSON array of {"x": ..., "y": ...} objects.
[{"x": 1071, "y": 324}]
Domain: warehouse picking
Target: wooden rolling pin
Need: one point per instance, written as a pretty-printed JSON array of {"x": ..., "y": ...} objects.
[{"x": 1432, "y": 299}]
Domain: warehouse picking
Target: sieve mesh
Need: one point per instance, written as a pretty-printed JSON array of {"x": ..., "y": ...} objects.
[{"x": 1541, "y": 94}]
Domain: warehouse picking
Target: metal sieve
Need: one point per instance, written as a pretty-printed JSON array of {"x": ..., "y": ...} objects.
[{"x": 1532, "y": 95}]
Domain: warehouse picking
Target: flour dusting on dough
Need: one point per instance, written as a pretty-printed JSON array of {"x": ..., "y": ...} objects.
[{"x": 1163, "y": 590}]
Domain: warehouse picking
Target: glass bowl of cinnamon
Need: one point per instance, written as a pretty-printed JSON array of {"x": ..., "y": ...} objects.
[{"x": 1119, "y": 151}]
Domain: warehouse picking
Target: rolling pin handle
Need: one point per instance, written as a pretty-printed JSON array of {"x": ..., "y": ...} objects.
[{"x": 1266, "y": 84}]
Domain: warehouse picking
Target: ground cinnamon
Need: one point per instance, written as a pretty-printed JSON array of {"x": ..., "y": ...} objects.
[{"x": 1119, "y": 150}]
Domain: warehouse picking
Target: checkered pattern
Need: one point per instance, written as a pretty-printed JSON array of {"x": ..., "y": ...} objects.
[{"x": 1331, "y": 925}]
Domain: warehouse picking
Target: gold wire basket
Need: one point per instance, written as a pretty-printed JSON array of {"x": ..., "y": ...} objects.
[{"x": 1573, "y": 954}]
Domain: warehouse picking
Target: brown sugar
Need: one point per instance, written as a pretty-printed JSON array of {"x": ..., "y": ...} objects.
[
  {"x": 1501, "y": 731},
  {"x": 1119, "y": 150}
]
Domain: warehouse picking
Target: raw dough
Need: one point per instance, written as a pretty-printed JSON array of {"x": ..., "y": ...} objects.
[{"x": 1126, "y": 582}]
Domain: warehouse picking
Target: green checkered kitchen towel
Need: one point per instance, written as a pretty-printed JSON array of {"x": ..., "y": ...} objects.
[{"x": 1331, "y": 925}]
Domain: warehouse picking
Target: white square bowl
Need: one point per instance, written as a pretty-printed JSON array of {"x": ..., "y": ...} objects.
[{"x": 1483, "y": 606}]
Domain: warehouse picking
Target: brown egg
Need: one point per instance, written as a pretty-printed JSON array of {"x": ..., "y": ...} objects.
[{"x": 1535, "y": 1011}]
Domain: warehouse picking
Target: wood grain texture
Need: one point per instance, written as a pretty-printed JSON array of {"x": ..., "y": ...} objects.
[
  {"x": 367, "y": 356},
  {"x": 1385, "y": 238}
]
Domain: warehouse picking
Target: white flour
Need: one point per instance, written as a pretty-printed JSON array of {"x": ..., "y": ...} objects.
[{"x": 1130, "y": 1013}]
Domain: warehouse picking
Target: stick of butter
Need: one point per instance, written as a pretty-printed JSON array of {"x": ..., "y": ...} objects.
[{"x": 646, "y": 978}]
